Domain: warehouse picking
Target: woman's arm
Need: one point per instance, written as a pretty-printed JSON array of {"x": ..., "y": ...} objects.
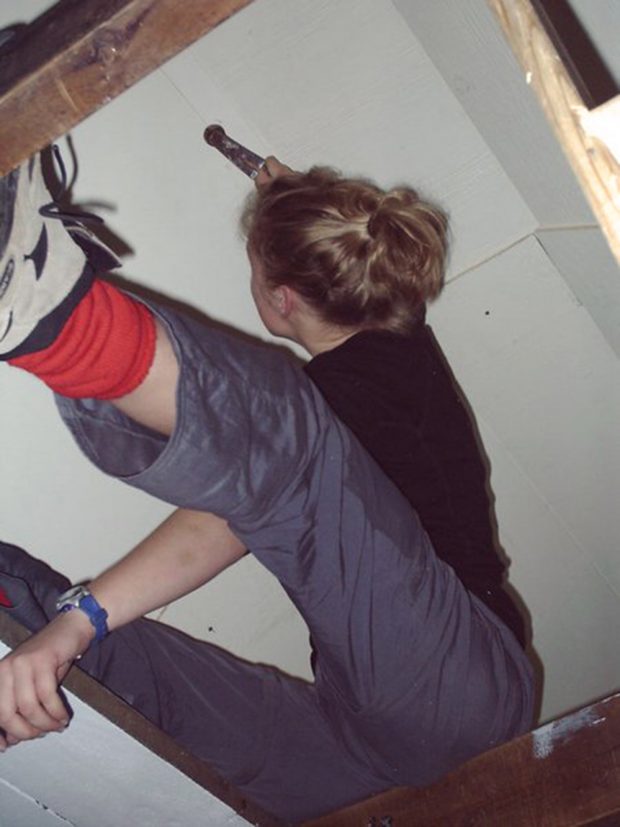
[{"x": 183, "y": 553}]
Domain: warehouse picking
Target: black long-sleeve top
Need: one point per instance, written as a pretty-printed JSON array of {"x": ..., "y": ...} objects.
[{"x": 398, "y": 396}]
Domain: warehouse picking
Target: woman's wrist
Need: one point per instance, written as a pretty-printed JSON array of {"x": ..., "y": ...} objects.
[{"x": 76, "y": 630}]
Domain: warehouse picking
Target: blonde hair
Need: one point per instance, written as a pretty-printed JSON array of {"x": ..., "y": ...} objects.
[{"x": 360, "y": 256}]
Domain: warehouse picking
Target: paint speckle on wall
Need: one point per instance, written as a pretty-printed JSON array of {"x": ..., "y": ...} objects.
[{"x": 546, "y": 738}]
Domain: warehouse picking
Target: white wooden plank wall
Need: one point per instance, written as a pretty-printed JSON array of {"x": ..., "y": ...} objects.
[
  {"x": 411, "y": 91},
  {"x": 585, "y": 260}
]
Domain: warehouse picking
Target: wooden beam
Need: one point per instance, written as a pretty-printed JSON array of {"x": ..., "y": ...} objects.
[
  {"x": 594, "y": 164},
  {"x": 81, "y": 54},
  {"x": 564, "y": 774}
]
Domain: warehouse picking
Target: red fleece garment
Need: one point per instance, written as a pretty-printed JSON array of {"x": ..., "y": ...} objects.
[{"x": 104, "y": 351}]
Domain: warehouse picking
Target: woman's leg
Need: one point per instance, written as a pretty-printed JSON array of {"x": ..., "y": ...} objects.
[{"x": 82, "y": 340}]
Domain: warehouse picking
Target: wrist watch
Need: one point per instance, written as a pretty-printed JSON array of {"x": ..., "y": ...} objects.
[{"x": 79, "y": 597}]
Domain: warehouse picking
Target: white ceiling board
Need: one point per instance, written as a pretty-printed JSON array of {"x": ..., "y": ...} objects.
[
  {"x": 468, "y": 47},
  {"x": 537, "y": 369},
  {"x": 323, "y": 85},
  {"x": 588, "y": 265},
  {"x": 559, "y": 412},
  {"x": 168, "y": 197},
  {"x": 503, "y": 302},
  {"x": 19, "y": 810},
  {"x": 95, "y": 775},
  {"x": 592, "y": 641},
  {"x": 574, "y": 612}
]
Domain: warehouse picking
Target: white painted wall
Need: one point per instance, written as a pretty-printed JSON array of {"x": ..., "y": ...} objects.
[{"x": 401, "y": 91}]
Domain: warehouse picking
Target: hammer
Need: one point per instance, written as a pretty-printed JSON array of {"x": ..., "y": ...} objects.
[{"x": 248, "y": 162}]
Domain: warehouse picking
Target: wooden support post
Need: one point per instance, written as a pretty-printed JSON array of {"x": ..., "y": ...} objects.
[
  {"x": 564, "y": 774},
  {"x": 594, "y": 164},
  {"x": 81, "y": 54}
]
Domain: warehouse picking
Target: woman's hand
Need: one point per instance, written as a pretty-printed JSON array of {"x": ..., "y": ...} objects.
[
  {"x": 187, "y": 550},
  {"x": 271, "y": 169},
  {"x": 30, "y": 704}
]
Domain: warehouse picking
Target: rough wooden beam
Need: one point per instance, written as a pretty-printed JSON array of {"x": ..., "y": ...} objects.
[
  {"x": 595, "y": 166},
  {"x": 564, "y": 774},
  {"x": 81, "y": 54}
]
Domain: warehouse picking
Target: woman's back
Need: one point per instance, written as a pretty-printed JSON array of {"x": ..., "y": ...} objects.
[{"x": 397, "y": 394}]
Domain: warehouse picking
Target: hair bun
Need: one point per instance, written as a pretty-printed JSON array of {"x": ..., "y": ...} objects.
[
  {"x": 360, "y": 256},
  {"x": 375, "y": 222}
]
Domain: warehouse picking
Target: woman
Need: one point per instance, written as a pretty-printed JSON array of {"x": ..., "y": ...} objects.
[
  {"x": 344, "y": 269},
  {"x": 413, "y": 674}
]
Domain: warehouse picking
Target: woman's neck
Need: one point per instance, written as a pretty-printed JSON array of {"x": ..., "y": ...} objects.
[
  {"x": 328, "y": 343},
  {"x": 317, "y": 336}
]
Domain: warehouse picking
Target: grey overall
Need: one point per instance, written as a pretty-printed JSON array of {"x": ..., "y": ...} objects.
[{"x": 413, "y": 674}]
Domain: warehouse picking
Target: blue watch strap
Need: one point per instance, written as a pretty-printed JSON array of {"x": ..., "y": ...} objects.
[
  {"x": 96, "y": 614},
  {"x": 91, "y": 608}
]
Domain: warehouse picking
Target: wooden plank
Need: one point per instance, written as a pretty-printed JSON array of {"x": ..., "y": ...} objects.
[
  {"x": 564, "y": 774},
  {"x": 592, "y": 161},
  {"x": 81, "y": 54},
  {"x": 123, "y": 716}
]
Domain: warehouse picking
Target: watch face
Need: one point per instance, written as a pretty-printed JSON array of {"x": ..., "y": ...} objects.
[{"x": 71, "y": 597}]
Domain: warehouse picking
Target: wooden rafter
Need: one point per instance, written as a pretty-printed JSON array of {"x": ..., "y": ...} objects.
[
  {"x": 81, "y": 54},
  {"x": 590, "y": 155}
]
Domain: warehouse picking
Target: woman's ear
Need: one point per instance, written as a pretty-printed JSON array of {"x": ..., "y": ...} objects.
[{"x": 283, "y": 300}]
